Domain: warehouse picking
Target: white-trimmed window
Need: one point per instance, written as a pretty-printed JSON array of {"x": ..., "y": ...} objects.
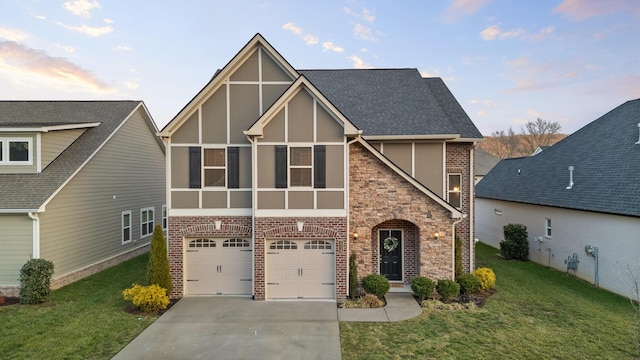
[
  {"x": 547, "y": 227},
  {"x": 300, "y": 166},
  {"x": 126, "y": 227},
  {"x": 16, "y": 151},
  {"x": 165, "y": 218},
  {"x": 214, "y": 167},
  {"x": 146, "y": 222},
  {"x": 455, "y": 190}
]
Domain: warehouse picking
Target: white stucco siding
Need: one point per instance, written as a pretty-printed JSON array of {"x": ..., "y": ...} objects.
[
  {"x": 617, "y": 238},
  {"x": 16, "y": 245}
]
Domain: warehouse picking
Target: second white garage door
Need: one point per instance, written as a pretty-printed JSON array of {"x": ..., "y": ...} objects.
[
  {"x": 218, "y": 266},
  {"x": 301, "y": 269}
]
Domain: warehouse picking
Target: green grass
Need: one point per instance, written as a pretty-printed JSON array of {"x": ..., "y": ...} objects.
[
  {"x": 84, "y": 320},
  {"x": 536, "y": 313}
]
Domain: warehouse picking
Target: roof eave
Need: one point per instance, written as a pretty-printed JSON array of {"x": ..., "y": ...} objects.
[
  {"x": 411, "y": 137},
  {"x": 44, "y": 129}
]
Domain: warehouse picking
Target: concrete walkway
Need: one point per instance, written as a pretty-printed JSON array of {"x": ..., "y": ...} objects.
[{"x": 400, "y": 306}]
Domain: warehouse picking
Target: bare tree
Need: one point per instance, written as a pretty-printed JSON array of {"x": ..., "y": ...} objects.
[
  {"x": 539, "y": 133},
  {"x": 507, "y": 143}
]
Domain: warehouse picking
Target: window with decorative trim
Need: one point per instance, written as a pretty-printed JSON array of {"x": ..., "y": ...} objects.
[
  {"x": 126, "y": 227},
  {"x": 146, "y": 222},
  {"x": 16, "y": 151},
  {"x": 214, "y": 167},
  {"x": 455, "y": 190},
  {"x": 301, "y": 166},
  {"x": 547, "y": 227},
  {"x": 165, "y": 218}
]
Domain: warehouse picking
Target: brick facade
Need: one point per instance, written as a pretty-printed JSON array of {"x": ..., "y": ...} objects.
[
  {"x": 381, "y": 198},
  {"x": 459, "y": 162}
]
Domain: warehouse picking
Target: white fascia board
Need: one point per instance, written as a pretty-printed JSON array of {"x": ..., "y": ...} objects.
[
  {"x": 411, "y": 137},
  {"x": 44, "y": 129}
]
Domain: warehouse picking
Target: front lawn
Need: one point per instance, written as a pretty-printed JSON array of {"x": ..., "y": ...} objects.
[
  {"x": 536, "y": 313},
  {"x": 84, "y": 320}
]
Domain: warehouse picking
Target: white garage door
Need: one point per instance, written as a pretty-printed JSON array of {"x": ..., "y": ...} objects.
[
  {"x": 299, "y": 269},
  {"x": 218, "y": 266}
]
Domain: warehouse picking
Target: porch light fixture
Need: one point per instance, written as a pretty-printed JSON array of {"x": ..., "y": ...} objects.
[
  {"x": 436, "y": 235},
  {"x": 355, "y": 234}
]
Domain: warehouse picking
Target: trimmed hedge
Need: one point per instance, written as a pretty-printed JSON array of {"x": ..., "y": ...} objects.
[
  {"x": 376, "y": 284},
  {"x": 422, "y": 286},
  {"x": 469, "y": 284},
  {"x": 448, "y": 289},
  {"x": 35, "y": 281}
]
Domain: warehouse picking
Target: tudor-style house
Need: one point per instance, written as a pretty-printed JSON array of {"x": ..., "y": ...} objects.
[{"x": 276, "y": 175}]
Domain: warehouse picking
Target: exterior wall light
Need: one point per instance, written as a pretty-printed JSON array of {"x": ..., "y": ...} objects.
[{"x": 355, "y": 235}]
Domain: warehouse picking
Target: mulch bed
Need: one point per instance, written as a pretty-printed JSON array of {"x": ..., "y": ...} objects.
[
  {"x": 9, "y": 300},
  {"x": 465, "y": 299}
]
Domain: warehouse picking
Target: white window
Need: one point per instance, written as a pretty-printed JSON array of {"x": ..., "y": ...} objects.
[
  {"x": 214, "y": 167},
  {"x": 16, "y": 151},
  {"x": 547, "y": 227},
  {"x": 146, "y": 222},
  {"x": 300, "y": 166},
  {"x": 455, "y": 190},
  {"x": 126, "y": 227},
  {"x": 165, "y": 218}
]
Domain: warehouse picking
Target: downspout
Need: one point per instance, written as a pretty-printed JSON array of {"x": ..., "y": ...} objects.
[
  {"x": 35, "y": 234},
  {"x": 472, "y": 201}
]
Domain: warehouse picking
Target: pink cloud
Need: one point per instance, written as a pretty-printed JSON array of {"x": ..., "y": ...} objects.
[
  {"x": 462, "y": 8},
  {"x": 583, "y": 9}
]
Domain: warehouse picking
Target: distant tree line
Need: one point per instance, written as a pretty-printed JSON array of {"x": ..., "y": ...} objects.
[{"x": 509, "y": 144}]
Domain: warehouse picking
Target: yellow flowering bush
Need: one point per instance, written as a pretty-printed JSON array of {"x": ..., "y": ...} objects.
[
  {"x": 486, "y": 277},
  {"x": 149, "y": 299}
]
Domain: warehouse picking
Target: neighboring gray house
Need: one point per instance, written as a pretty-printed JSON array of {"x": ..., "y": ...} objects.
[
  {"x": 580, "y": 200},
  {"x": 483, "y": 163},
  {"x": 81, "y": 184}
]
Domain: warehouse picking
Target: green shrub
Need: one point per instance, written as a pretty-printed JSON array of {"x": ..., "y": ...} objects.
[
  {"x": 158, "y": 266},
  {"x": 486, "y": 277},
  {"x": 516, "y": 243},
  {"x": 448, "y": 289},
  {"x": 149, "y": 299},
  {"x": 469, "y": 284},
  {"x": 353, "y": 276},
  {"x": 458, "y": 253},
  {"x": 377, "y": 285},
  {"x": 35, "y": 281},
  {"x": 422, "y": 287}
]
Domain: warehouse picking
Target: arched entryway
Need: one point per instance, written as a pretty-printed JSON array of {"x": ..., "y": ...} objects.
[{"x": 395, "y": 245}]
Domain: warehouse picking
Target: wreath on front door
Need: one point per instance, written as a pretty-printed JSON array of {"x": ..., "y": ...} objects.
[{"x": 390, "y": 243}]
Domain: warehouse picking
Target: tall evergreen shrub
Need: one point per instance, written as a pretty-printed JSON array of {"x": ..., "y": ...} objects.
[
  {"x": 35, "y": 281},
  {"x": 353, "y": 276},
  {"x": 516, "y": 243},
  {"x": 158, "y": 266}
]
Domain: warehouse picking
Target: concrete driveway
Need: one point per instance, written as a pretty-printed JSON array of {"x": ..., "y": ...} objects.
[{"x": 240, "y": 328}]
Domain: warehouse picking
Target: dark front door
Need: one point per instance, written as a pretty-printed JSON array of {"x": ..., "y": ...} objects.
[{"x": 391, "y": 254}]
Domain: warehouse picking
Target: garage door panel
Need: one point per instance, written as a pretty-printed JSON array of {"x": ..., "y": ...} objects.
[
  {"x": 300, "y": 269},
  {"x": 218, "y": 267}
]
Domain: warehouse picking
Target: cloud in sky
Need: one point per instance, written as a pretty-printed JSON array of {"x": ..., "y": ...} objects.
[
  {"x": 358, "y": 63},
  {"x": 17, "y": 58},
  {"x": 89, "y": 30},
  {"x": 308, "y": 39},
  {"x": 579, "y": 10},
  {"x": 462, "y": 8},
  {"x": 82, "y": 8},
  {"x": 132, "y": 85},
  {"x": 363, "y": 33},
  {"x": 494, "y": 32},
  {"x": 330, "y": 46},
  {"x": 366, "y": 14},
  {"x": 11, "y": 34},
  {"x": 123, "y": 48}
]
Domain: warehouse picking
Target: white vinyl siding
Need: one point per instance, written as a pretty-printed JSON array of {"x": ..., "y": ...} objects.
[
  {"x": 55, "y": 142},
  {"x": 16, "y": 244}
]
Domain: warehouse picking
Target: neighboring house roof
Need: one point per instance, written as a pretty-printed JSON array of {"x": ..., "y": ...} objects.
[
  {"x": 391, "y": 102},
  {"x": 605, "y": 156},
  {"x": 30, "y": 192},
  {"x": 540, "y": 149},
  {"x": 484, "y": 162}
]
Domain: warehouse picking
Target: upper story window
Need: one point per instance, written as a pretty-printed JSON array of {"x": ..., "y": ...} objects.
[
  {"x": 300, "y": 166},
  {"x": 305, "y": 167},
  {"x": 547, "y": 227},
  {"x": 220, "y": 167},
  {"x": 455, "y": 190},
  {"x": 15, "y": 151},
  {"x": 165, "y": 217}
]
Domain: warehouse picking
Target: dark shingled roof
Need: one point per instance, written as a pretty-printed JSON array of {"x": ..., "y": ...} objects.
[
  {"x": 393, "y": 102},
  {"x": 30, "y": 191},
  {"x": 484, "y": 162},
  {"x": 606, "y": 176}
]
